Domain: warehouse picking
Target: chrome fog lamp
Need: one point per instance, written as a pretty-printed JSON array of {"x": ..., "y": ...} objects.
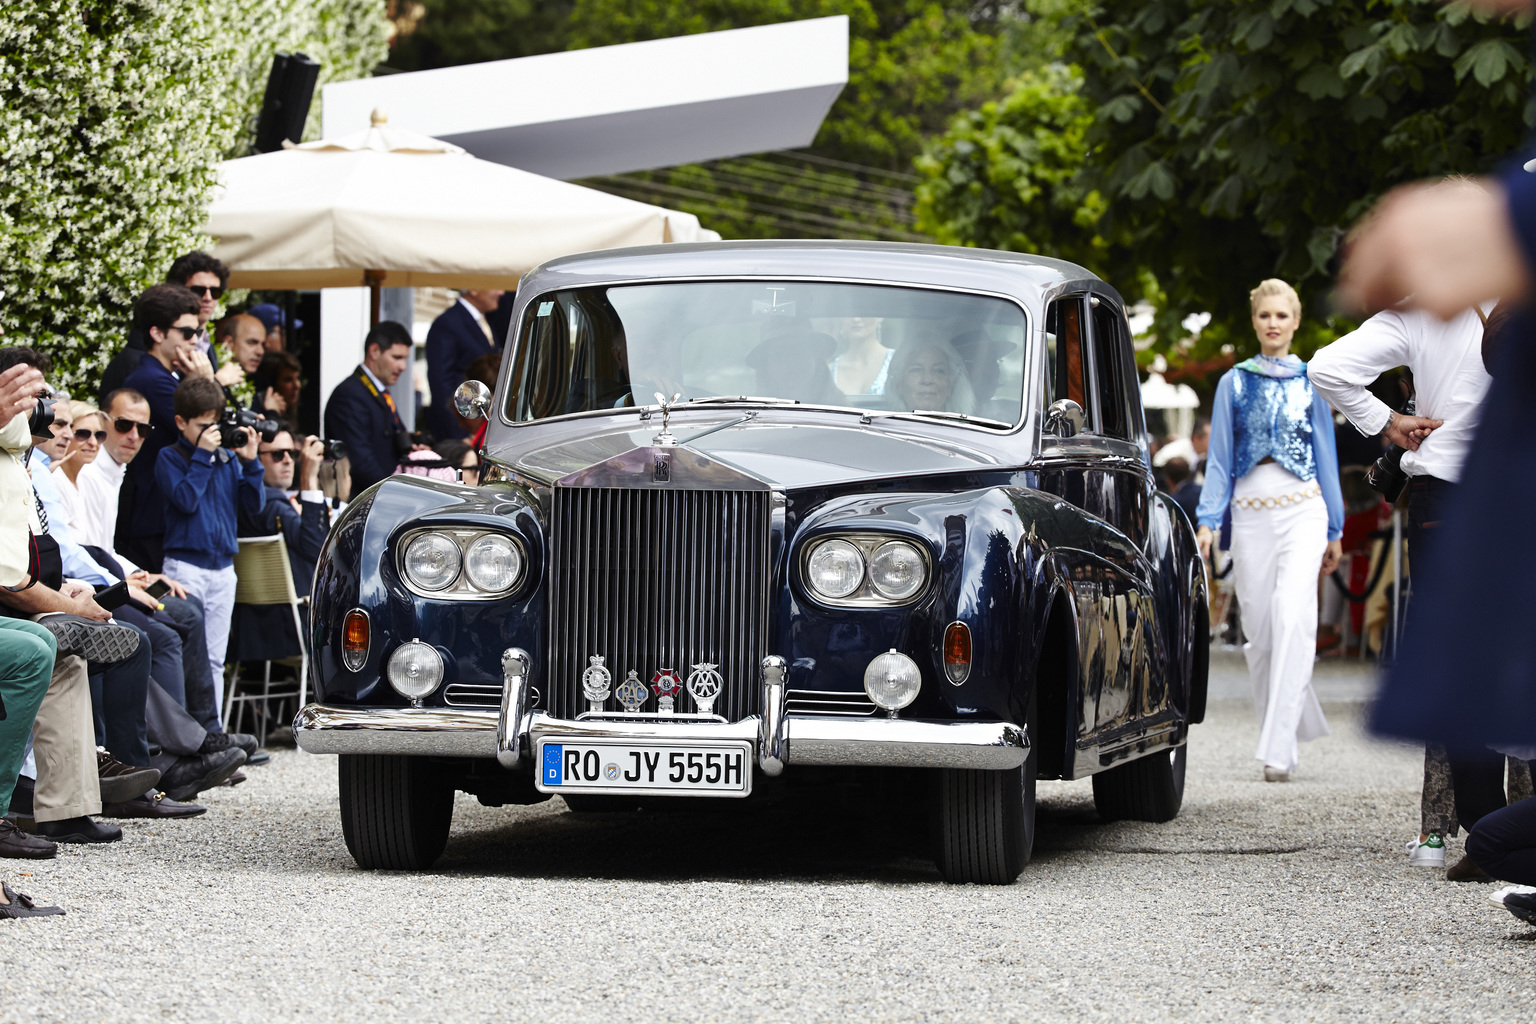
[
  {"x": 892, "y": 681},
  {"x": 897, "y": 570},
  {"x": 493, "y": 563},
  {"x": 835, "y": 568},
  {"x": 432, "y": 561},
  {"x": 415, "y": 670}
]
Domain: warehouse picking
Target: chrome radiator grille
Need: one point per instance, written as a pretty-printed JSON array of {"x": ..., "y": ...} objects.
[{"x": 654, "y": 579}]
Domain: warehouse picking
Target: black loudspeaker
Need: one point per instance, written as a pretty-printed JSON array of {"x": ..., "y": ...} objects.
[{"x": 285, "y": 107}]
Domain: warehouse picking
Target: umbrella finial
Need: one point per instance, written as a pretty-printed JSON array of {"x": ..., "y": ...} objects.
[{"x": 378, "y": 118}]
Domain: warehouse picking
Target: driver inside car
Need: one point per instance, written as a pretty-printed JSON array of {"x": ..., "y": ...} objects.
[{"x": 796, "y": 365}]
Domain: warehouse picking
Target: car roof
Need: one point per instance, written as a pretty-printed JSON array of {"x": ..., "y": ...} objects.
[{"x": 1024, "y": 276}]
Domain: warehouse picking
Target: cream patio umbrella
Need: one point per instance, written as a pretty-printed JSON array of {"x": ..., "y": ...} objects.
[{"x": 388, "y": 206}]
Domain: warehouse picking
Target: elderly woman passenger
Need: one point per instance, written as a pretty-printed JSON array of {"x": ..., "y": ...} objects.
[{"x": 929, "y": 374}]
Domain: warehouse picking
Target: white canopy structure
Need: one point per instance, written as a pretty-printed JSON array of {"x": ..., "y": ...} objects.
[{"x": 388, "y": 206}]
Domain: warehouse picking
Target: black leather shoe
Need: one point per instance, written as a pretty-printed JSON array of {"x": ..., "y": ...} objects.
[
  {"x": 79, "y": 830},
  {"x": 227, "y": 740},
  {"x": 19, "y": 904},
  {"x": 104, "y": 643},
  {"x": 235, "y": 779},
  {"x": 152, "y": 805},
  {"x": 16, "y": 843},
  {"x": 120, "y": 781},
  {"x": 190, "y": 775}
]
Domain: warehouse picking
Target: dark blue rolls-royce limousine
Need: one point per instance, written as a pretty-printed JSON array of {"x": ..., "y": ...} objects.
[{"x": 752, "y": 509}]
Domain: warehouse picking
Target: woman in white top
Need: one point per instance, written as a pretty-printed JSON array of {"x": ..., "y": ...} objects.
[
  {"x": 90, "y": 426},
  {"x": 864, "y": 364}
]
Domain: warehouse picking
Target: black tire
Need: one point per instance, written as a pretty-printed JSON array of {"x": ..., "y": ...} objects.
[
  {"x": 1150, "y": 788},
  {"x": 395, "y": 811},
  {"x": 986, "y": 826}
]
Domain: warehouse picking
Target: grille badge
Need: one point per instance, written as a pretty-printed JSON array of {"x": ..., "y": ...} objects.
[
  {"x": 666, "y": 682},
  {"x": 704, "y": 684},
  {"x": 595, "y": 683},
  {"x": 631, "y": 693}
]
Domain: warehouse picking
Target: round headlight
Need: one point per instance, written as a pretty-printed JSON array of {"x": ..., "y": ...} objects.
[
  {"x": 897, "y": 570},
  {"x": 892, "y": 680},
  {"x": 415, "y": 669},
  {"x": 835, "y": 568},
  {"x": 432, "y": 561},
  {"x": 493, "y": 563}
]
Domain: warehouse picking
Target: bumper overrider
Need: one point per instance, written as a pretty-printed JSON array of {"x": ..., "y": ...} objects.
[{"x": 511, "y": 734}]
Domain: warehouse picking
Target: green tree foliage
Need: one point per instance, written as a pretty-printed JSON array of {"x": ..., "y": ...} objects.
[
  {"x": 1233, "y": 141},
  {"x": 444, "y": 33},
  {"x": 113, "y": 117}
]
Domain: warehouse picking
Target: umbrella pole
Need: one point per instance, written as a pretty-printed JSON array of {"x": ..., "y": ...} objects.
[{"x": 375, "y": 279}]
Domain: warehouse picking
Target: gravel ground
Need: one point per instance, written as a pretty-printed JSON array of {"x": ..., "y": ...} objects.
[{"x": 1259, "y": 903}]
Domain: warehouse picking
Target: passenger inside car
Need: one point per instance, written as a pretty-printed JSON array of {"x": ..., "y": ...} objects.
[
  {"x": 983, "y": 358},
  {"x": 863, "y": 362},
  {"x": 796, "y": 365},
  {"x": 929, "y": 374}
]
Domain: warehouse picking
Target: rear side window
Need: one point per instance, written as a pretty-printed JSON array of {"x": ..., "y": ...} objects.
[{"x": 1114, "y": 373}]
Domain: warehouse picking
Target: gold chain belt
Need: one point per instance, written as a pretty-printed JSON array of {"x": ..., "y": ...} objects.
[{"x": 1312, "y": 490}]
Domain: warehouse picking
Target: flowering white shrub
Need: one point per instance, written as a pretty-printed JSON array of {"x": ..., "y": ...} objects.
[{"x": 114, "y": 115}]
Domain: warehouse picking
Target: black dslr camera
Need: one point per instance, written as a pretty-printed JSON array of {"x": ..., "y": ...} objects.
[
  {"x": 40, "y": 422},
  {"x": 235, "y": 422},
  {"x": 335, "y": 451},
  {"x": 1386, "y": 474}
]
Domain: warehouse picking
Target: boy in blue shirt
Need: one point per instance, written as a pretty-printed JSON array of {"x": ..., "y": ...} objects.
[{"x": 202, "y": 482}]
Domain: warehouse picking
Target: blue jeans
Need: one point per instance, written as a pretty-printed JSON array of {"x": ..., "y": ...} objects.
[{"x": 117, "y": 695}]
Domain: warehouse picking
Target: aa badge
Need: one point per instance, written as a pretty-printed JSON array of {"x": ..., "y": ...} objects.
[{"x": 704, "y": 683}]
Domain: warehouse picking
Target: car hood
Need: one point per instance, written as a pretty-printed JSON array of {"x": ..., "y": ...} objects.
[{"x": 781, "y": 455}]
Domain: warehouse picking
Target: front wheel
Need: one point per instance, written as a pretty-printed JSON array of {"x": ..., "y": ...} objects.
[
  {"x": 986, "y": 823},
  {"x": 1149, "y": 788},
  {"x": 395, "y": 811}
]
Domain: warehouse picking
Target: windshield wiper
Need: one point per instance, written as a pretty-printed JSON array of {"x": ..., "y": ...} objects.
[
  {"x": 941, "y": 414},
  {"x": 735, "y": 399}
]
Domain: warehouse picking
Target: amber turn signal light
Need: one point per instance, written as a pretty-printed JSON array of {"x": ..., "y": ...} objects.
[
  {"x": 957, "y": 652},
  {"x": 354, "y": 639}
]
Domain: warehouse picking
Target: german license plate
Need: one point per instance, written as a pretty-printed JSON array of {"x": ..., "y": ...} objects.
[{"x": 676, "y": 769}]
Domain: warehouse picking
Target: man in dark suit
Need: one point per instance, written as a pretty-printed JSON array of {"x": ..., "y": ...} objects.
[
  {"x": 361, "y": 412},
  {"x": 459, "y": 336}
]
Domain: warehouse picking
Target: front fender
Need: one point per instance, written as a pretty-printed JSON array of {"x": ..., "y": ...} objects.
[{"x": 357, "y": 569}]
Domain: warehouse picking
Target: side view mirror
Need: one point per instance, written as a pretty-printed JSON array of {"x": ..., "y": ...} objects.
[
  {"x": 1064, "y": 418},
  {"x": 473, "y": 400}
]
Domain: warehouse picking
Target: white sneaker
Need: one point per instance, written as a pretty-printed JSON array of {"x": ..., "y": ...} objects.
[
  {"x": 1509, "y": 890},
  {"x": 1428, "y": 854}
]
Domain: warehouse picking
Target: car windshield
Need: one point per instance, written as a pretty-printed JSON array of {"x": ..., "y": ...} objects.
[{"x": 868, "y": 347}]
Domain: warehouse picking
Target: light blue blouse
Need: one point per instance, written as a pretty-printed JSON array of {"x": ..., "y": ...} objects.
[{"x": 1217, "y": 492}]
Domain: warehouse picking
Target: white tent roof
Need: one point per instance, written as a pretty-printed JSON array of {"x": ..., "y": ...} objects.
[
  {"x": 423, "y": 211},
  {"x": 1157, "y": 393}
]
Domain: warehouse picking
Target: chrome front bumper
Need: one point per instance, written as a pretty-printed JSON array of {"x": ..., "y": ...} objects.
[{"x": 510, "y": 734}]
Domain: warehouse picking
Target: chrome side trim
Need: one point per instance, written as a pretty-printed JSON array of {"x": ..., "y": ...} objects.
[
  {"x": 438, "y": 732},
  {"x": 511, "y": 727},
  {"x": 904, "y": 743},
  {"x": 770, "y": 750}
]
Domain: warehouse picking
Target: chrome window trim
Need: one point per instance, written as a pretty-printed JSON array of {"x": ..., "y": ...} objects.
[
  {"x": 1027, "y": 411},
  {"x": 461, "y": 588},
  {"x": 867, "y": 541}
]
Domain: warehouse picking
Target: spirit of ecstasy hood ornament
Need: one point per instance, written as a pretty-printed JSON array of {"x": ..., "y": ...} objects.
[{"x": 665, "y": 438}]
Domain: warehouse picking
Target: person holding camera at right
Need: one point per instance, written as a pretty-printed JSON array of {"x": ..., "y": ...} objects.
[
  {"x": 361, "y": 413},
  {"x": 299, "y": 514},
  {"x": 206, "y": 477},
  {"x": 1450, "y": 382}
]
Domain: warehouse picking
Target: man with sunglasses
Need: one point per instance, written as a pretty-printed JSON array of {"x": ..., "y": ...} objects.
[
  {"x": 169, "y": 316},
  {"x": 302, "y": 516},
  {"x": 200, "y": 273}
]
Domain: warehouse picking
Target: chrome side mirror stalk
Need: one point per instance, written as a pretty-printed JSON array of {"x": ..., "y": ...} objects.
[
  {"x": 472, "y": 399},
  {"x": 1064, "y": 418}
]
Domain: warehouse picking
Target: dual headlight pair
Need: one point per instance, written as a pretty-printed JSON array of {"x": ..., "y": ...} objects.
[
  {"x": 466, "y": 563},
  {"x": 865, "y": 570}
]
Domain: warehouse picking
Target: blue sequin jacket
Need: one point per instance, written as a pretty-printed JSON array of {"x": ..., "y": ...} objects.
[{"x": 1255, "y": 416}]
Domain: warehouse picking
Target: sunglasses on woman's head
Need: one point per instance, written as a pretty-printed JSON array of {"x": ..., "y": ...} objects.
[
  {"x": 82, "y": 435},
  {"x": 123, "y": 425},
  {"x": 217, "y": 291}
]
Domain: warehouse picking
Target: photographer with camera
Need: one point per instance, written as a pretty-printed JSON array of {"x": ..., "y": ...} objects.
[
  {"x": 210, "y": 469},
  {"x": 1428, "y": 450},
  {"x": 299, "y": 514},
  {"x": 168, "y": 316}
]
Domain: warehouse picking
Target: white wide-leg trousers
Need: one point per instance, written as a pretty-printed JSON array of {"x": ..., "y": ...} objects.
[{"x": 1277, "y": 553}]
